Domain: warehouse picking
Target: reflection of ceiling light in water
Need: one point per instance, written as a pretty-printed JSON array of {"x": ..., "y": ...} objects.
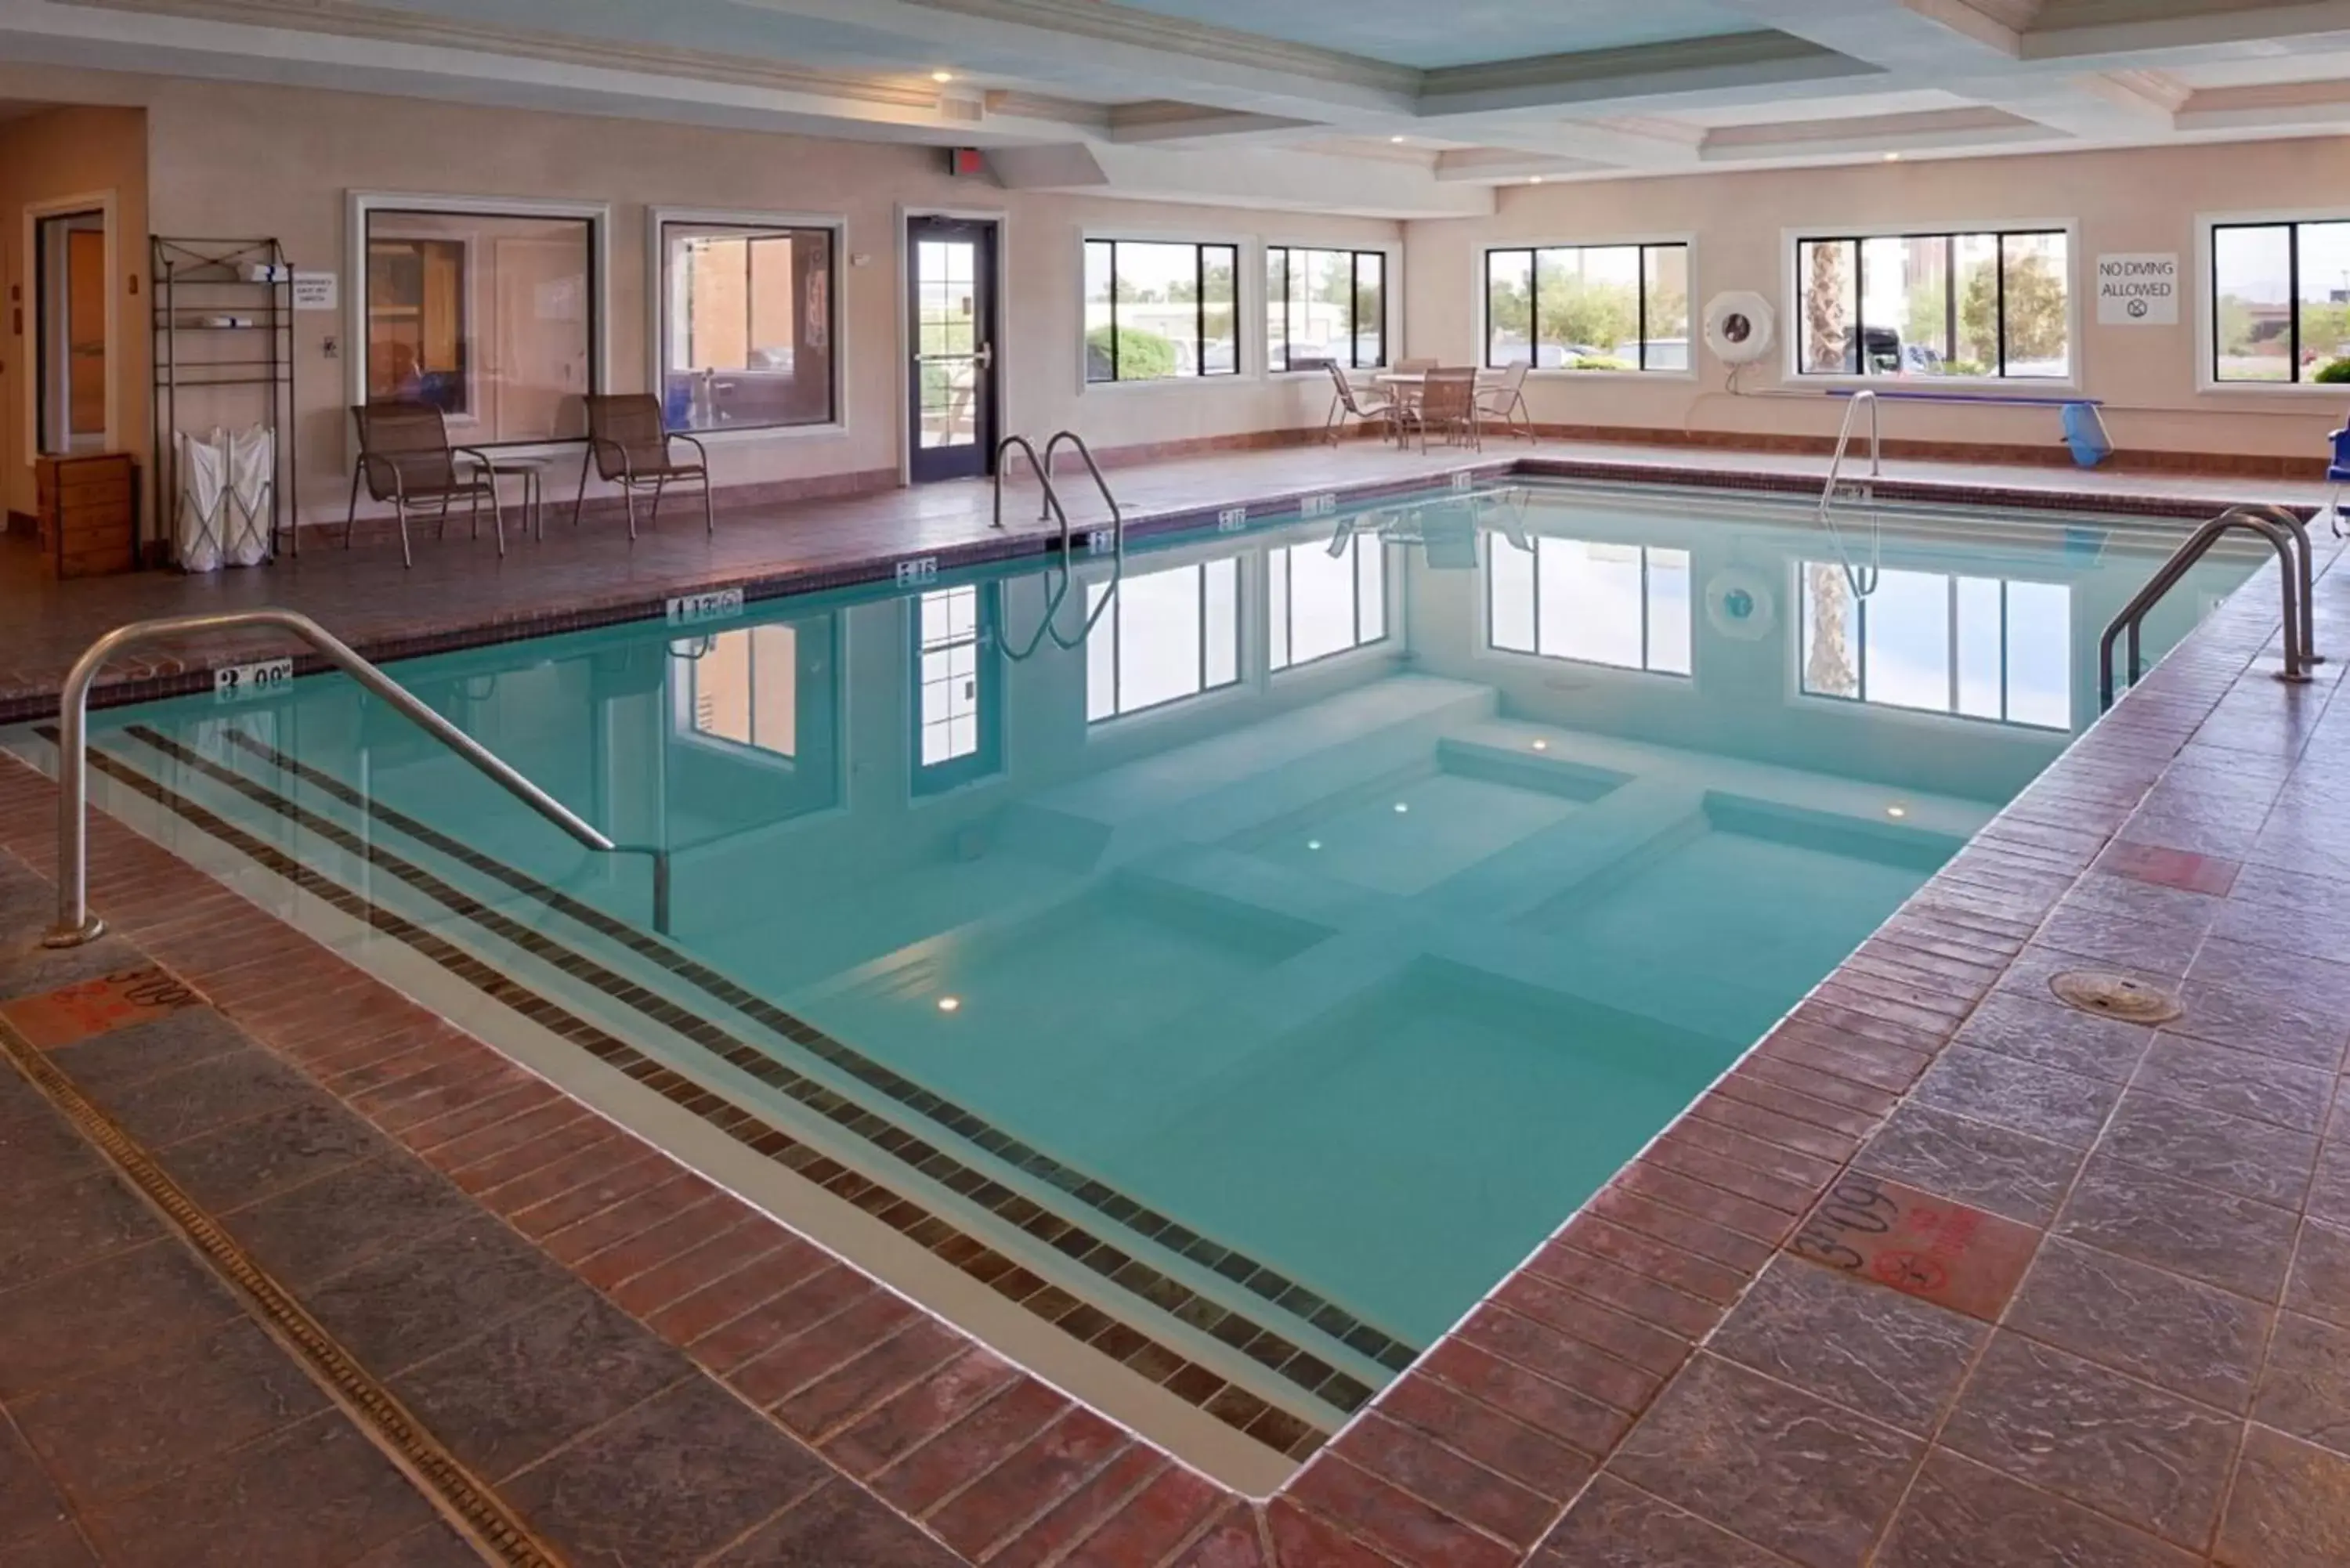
[
  {"x": 1401, "y": 807},
  {"x": 1896, "y": 811},
  {"x": 942, "y": 75},
  {"x": 950, "y": 1004},
  {"x": 1542, "y": 745},
  {"x": 1312, "y": 844}
]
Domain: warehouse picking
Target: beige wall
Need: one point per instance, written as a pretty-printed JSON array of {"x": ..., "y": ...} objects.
[
  {"x": 1741, "y": 224},
  {"x": 281, "y": 163},
  {"x": 48, "y": 156}
]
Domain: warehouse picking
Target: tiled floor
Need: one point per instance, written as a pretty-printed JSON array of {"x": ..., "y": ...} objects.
[{"x": 1944, "y": 1274}]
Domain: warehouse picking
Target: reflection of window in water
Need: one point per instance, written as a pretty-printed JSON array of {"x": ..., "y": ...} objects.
[
  {"x": 746, "y": 689},
  {"x": 1321, "y": 604},
  {"x": 1980, "y": 648},
  {"x": 950, "y": 675},
  {"x": 1171, "y": 634},
  {"x": 1622, "y": 605}
]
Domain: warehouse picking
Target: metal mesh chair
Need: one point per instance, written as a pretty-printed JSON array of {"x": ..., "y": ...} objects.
[
  {"x": 629, "y": 445},
  {"x": 1350, "y": 404},
  {"x": 405, "y": 459},
  {"x": 1448, "y": 403},
  {"x": 1504, "y": 402}
]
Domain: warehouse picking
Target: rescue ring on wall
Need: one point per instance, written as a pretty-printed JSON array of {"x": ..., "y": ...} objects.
[{"x": 1739, "y": 327}]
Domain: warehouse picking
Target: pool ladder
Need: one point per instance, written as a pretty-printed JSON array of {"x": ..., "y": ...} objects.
[
  {"x": 75, "y": 925},
  {"x": 1862, "y": 580},
  {"x": 1052, "y": 510},
  {"x": 2296, "y": 572}
]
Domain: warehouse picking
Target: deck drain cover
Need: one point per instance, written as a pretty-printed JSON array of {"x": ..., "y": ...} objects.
[{"x": 2115, "y": 996}]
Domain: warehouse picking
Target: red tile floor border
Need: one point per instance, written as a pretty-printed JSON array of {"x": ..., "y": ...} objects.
[{"x": 1663, "y": 1381}]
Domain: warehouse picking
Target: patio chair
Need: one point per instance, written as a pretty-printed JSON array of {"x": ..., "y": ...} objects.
[
  {"x": 1408, "y": 393},
  {"x": 631, "y": 445},
  {"x": 1504, "y": 402},
  {"x": 2337, "y": 474},
  {"x": 1448, "y": 403},
  {"x": 405, "y": 459},
  {"x": 1348, "y": 404}
]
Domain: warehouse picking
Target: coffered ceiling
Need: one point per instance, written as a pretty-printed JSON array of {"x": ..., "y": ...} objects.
[{"x": 1394, "y": 107}]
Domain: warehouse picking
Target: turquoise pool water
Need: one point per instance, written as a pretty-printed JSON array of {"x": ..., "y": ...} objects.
[{"x": 1355, "y": 899}]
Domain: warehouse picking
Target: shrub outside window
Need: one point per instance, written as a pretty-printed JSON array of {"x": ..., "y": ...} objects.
[
  {"x": 1588, "y": 307},
  {"x": 1157, "y": 311},
  {"x": 1995, "y": 304}
]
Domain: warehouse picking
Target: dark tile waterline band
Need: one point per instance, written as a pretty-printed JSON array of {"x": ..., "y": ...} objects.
[
  {"x": 1281, "y": 508},
  {"x": 1258, "y": 1278},
  {"x": 493, "y": 1524},
  {"x": 1276, "y": 1429}
]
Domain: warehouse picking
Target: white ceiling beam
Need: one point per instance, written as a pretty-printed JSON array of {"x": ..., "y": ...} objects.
[
  {"x": 1505, "y": 166},
  {"x": 1645, "y": 75},
  {"x": 1930, "y": 131},
  {"x": 2126, "y": 31},
  {"x": 1191, "y": 125},
  {"x": 2284, "y": 107},
  {"x": 1273, "y": 179}
]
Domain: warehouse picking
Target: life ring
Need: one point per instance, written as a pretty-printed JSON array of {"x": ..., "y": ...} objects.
[
  {"x": 1739, "y": 604},
  {"x": 1739, "y": 327}
]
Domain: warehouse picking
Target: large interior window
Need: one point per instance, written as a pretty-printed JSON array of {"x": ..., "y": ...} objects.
[
  {"x": 1325, "y": 307},
  {"x": 1980, "y": 648},
  {"x": 1593, "y": 603},
  {"x": 487, "y": 316},
  {"x": 1172, "y": 634},
  {"x": 1588, "y": 307},
  {"x": 747, "y": 326},
  {"x": 1993, "y": 304},
  {"x": 2279, "y": 300},
  {"x": 1320, "y": 603},
  {"x": 1157, "y": 311}
]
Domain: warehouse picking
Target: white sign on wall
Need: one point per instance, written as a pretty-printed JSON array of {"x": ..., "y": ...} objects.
[
  {"x": 315, "y": 291},
  {"x": 2138, "y": 290}
]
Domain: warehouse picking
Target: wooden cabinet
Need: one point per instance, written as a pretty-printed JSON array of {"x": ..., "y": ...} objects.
[{"x": 88, "y": 513}]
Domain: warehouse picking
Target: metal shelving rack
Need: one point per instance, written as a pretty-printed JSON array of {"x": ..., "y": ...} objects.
[{"x": 192, "y": 279}]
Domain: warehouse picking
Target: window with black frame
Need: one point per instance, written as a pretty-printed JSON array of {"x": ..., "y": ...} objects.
[
  {"x": 1588, "y": 307},
  {"x": 747, "y": 328},
  {"x": 1995, "y": 305},
  {"x": 1158, "y": 310},
  {"x": 1325, "y": 307},
  {"x": 1589, "y": 601},
  {"x": 2281, "y": 301}
]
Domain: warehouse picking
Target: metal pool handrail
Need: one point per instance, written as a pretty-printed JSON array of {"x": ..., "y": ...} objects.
[
  {"x": 75, "y": 925},
  {"x": 1862, "y": 584},
  {"x": 1117, "y": 539},
  {"x": 2293, "y": 574}
]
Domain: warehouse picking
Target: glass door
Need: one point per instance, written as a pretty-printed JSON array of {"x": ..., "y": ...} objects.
[{"x": 950, "y": 301}]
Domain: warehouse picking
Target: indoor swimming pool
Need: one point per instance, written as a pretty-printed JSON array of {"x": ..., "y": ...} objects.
[{"x": 1265, "y": 954}]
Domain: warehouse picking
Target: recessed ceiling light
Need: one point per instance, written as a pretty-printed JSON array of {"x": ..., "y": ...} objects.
[
  {"x": 1535, "y": 181},
  {"x": 1893, "y": 158},
  {"x": 942, "y": 75},
  {"x": 1397, "y": 140},
  {"x": 950, "y": 1004}
]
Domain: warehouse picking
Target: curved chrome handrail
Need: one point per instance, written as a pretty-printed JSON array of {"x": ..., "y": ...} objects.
[
  {"x": 1117, "y": 539},
  {"x": 2294, "y": 573},
  {"x": 75, "y": 925},
  {"x": 1862, "y": 584}
]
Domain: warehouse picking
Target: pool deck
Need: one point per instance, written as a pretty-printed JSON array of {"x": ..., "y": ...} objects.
[{"x": 1943, "y": 1274}]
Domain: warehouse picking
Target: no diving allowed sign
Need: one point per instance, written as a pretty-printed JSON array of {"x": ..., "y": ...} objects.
[{"x": 2138, "y": 290}]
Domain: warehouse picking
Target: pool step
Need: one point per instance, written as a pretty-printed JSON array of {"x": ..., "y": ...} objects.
[{"x": 491, "y": 925}]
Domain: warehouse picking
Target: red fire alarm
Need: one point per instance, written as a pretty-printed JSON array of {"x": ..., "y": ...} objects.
[{"x": 966, "y": 163}]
